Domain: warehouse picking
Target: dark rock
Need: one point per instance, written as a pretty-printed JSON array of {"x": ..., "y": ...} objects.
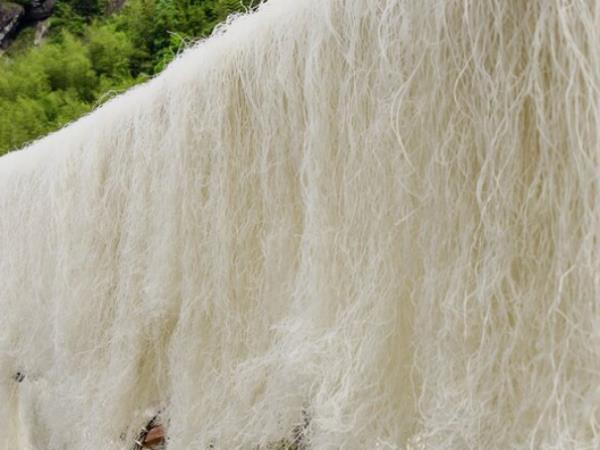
[
  {"x": 11, "y": 15},
  {"x": 39, "y": 9}
]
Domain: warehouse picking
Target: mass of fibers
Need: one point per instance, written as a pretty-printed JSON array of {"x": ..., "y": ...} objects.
[{"x": 340, "y": 224}]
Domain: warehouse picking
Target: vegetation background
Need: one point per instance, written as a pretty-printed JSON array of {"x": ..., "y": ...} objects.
[{"x": 93, "y": 49}]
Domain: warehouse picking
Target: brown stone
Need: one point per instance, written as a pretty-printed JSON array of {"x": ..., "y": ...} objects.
[{"x": 155, "y": 436}]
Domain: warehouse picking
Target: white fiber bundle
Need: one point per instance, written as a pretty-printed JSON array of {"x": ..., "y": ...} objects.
[{"x": 340, "y": 224}]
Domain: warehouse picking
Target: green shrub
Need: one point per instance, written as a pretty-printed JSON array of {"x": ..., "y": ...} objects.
[{"x": 109, "y": 51}]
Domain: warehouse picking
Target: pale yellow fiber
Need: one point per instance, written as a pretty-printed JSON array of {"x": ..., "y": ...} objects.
[{"x": 371, "y": 223}]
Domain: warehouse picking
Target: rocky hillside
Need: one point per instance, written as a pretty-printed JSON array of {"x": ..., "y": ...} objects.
[{"x": 16, "y": 16}]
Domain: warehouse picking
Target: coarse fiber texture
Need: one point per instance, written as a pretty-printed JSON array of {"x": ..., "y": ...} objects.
[{"x": 340, "y": 224}]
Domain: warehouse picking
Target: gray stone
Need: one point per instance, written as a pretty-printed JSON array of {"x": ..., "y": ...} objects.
[
  {"x": 41, "y": 29},
  {"x": 11, "y": 16},
  {"x": 39, "y": 9}
]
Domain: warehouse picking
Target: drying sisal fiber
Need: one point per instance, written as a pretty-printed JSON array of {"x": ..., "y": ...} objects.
[{"x": 340, "y": 224}]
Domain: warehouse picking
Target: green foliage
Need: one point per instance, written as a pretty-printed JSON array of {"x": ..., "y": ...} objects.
[
  {"x": 65, "y": 18},
  {"x": 89, "y": 54},
  {"x": 74, "y": 72},
  {"x": 228, "y": 6},
  {"x": 109, "y": 51},
  {"x": 43, "y": 89},
  {"x": 87, "y": 8}
]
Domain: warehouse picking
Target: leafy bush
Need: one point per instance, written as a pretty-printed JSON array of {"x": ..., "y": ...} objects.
[
  {"x": 109, "y": 51},
  {"x": 43, "y": 89}
]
